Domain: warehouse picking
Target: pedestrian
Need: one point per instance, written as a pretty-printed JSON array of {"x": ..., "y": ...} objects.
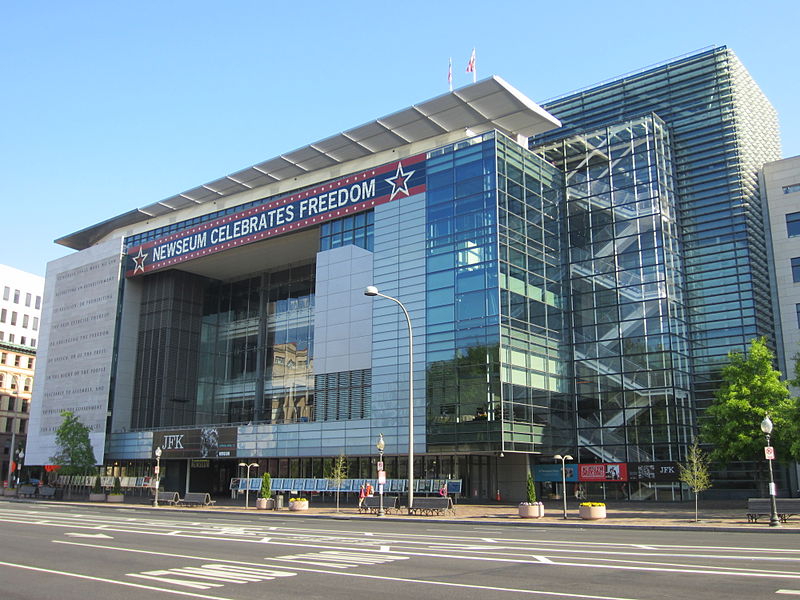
[
  {"x": 370, "y": 490},
  {"x": 443, "y": 489},
  {"x": 362, "y": 493}
]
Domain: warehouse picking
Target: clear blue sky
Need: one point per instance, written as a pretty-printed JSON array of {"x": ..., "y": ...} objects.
[{"x": 110, "y": 106}]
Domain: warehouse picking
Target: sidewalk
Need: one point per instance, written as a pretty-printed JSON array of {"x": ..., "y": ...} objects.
[{"x": 714, "y": 515}]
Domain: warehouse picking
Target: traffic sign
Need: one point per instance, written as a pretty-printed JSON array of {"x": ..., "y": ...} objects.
[
  {"x": 769, "y": 452},
  {"x": 381, "y": 477},
  {"x": 156, "y": 470},
  {"x": 380, "y": 465}
]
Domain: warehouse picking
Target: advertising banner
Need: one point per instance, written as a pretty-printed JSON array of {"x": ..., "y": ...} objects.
[
  {"x": 553, "y": 472},
  {"x": 309, "y": 208},
  {"x": 207, "y": 442},
  {"x": 654, "y": 471},
  {"x": 603, "y": 472}
]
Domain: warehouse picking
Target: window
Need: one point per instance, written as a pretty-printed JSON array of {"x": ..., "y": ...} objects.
[
  {"x": 16, "y": 296},
  {"x": 36, "y": 323},
  {"x": 3, "y": 358},
  {"x": 26, "y": 387},
  {"x": 790, "y": 189},
  {"x": 23, "y": 340},
  {"x": 27, "y": 299},
  {"x": 796, "y": 270},
  {"x": 6, "y": 293},
  {"x": 3, "y": 315},
  {"x": 793, "y": 224},
  {"x": 797, "y": 309},
  {"x": 11, "y": 337},
  {"x": 25, "y": 321},
  {"x": 17, "y": 360},
  {"x": 30, "y": 362},
  {"x": 13, "y": 317},
  {"x": 38, "y": 302}
]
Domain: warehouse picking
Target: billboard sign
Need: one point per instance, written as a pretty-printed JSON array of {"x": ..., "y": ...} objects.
[
  {"x": 207, "y": 442},
  {"x": 603, "y": 472}
]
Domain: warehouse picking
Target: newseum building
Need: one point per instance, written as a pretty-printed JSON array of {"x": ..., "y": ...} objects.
[{"x": 229, "y": 324}]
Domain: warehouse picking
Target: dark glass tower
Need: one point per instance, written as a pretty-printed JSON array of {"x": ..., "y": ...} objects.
[{"x": 720, "y": 130}]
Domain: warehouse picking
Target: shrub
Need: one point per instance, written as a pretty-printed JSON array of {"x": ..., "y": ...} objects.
[
  {"x": 97, "y": 488},
  {"x": 266, "y": 486}
]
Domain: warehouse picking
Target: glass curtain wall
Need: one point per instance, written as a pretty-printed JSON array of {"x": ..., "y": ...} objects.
[
  {"x": 629, "y": 339},
  {"x": 533, "y": 350}
]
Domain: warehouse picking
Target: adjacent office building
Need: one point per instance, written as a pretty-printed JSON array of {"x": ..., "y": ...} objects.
[{"x": 574, "y": 273}]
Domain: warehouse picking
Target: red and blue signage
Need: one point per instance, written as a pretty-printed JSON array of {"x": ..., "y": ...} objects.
[{"x": 345, "y": 196}]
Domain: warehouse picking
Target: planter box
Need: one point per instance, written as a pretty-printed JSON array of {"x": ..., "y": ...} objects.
[
  {"x": 116, "y": 498},
  {"x": 592, "y": 513},
  {"x": 97, "y": 497},
  {"x": 298, "y": 505},
  {"x": 265, "y": 503},
  {"x": 531, "y": 511}
]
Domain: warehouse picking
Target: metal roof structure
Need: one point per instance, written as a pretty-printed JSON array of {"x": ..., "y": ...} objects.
[{"x": 487, "y": 104}]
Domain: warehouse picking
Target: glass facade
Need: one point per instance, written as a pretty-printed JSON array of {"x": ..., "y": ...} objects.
[{"x": 722, "y": 129}]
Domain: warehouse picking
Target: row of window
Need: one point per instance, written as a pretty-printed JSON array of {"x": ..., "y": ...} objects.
[
  {"x": 12, "y": 339},
  {"x": 25, "y": 322},
  {"x": 18, "y": 295},
  {"x": 19, "y": 360},
  {"x": 790, "y": 189},
  {"x": 12, "y": 425},
  {"x": 14, "y": 404},
  {"x": 12, "y": 381}
]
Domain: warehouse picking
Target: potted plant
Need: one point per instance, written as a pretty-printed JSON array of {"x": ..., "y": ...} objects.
[
  {"x": 97, "y": 494},
  {"x": 592, "y": 510},
  {"x": 264, "y": 500},
  {"x": 531, "y": 509},
  {"x": 116, "y": 494},
  {"x": 298, "y": 503}
]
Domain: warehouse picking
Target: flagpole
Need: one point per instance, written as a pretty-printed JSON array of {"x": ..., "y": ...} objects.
[{"x": 450, "y": 74}]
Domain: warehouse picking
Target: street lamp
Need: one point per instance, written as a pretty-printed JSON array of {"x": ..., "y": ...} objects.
[
  {"x": 766, "y": 428},
  {"x": 371, "y": 290},
  {"x": 158, "y": 474},
  {"x": 380, "y": 446},
  {"x": 564, "y": 459},
  {"x": 247, "y": 487},
  {"x": 20, "y": 458}
]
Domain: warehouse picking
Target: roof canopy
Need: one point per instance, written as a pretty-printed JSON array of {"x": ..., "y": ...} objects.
[{"x": 488, "y": 104}]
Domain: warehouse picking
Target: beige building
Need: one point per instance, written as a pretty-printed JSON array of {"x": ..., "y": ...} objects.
[{"x": 20, "y": 312}]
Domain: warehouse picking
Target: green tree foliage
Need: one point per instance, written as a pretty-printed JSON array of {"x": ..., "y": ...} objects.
[
  {"x": 337, "y": 474},
  {"x": 694, "y": 472},
  {"x": 266, "y": 486},
  {"x": 75, "y": 453},
  {"x": 751, "y": 388},
  {"x": 531, "y": 489},
  {"x": 117, "y": 489}
]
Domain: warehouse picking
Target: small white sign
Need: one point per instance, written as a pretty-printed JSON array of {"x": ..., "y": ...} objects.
[
  {"x": 773, "y": 490},
  {"x": 380, "y": 465},
  {"x": 769, "y": 452},
  {"x": 381, "y": 477}
]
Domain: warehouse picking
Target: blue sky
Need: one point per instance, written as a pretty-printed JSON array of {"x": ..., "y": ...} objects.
[{"x": 110, "y": 106}]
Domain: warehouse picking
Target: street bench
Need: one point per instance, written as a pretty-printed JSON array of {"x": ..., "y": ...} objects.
[
  {"x": 27, "y": 491},
  {"x": 372, "y": 504},
  {"x": 47, "y": 491},
  {"x": 761, "y": 507},
  {"x": 197, "y": 499},
  {"x": 170, "y": 498},
  {"x": 431, "y": 506}
]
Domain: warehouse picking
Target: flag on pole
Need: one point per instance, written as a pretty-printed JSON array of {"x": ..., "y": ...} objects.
[
  {"x": 471, "y": 66},
  {"x": 450, "y": 74}
]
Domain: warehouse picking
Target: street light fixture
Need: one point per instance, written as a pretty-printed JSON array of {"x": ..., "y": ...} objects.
[
  {"x": 247, "y": 486},
  {"x": 766, "y": 428},
  {"x": 158, "y": 474},
  {"x": 20, "y": 459},
  {"x": 563, "y": 459},
  {"x": 380, "y": 446},
  {"x": 373, "y": 291}
]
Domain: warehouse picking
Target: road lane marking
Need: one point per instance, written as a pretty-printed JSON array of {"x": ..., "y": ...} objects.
[
  {"x": 543, "y": 559},
  {"x": 792, "y": 592},
  {"x": 104, "y": 580},
  {"x": 89, "y": 535},
  {"x": 216, "y": 575},
  {"x": 359, "y": 576}
]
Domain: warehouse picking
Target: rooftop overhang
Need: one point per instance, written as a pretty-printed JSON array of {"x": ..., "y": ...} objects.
[{"x": 488, "y": 104}]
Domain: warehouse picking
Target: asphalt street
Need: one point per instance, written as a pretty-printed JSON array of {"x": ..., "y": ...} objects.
[{"x": 77, "y": 552}]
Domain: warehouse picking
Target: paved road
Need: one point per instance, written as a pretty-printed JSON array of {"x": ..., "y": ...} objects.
[{"x": 67, "y": 552}]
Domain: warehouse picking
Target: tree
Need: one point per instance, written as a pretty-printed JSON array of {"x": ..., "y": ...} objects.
[
  {"x": 751, "y": 388},
  {"x": 694, "y": 472},
  {"x": 266, "y": 486},
  {"x": 75, "y": 455},
  {"x": 337, "y": 475}
]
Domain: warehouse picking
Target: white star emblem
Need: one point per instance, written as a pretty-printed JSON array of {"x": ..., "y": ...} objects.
[
  {"x": 399, "y": 182},
  {"x": 139, "y": 261}
]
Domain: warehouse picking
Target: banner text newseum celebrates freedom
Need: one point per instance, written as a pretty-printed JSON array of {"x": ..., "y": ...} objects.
[{"x": 332, "y": 200}]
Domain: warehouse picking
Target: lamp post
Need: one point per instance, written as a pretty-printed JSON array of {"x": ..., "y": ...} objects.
[
  {"x": 769, "y": 452},
  {"x": 158, "y": 474},
  {"x": 563, "y": 460},
  {"x": 380, "y": 446},
  {"x": 373, "y": 291},
  {"x": 247, "y": 487},
  {"x": 20, "y": 459}
]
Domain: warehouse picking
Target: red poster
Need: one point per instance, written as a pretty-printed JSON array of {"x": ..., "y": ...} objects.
[{"x": 603, "y": 472}]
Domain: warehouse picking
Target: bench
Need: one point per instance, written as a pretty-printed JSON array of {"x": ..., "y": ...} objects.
[
  {"x": 431, "y": 506},
  {"x": 197, "y": 499},
  {"x": 47, "y": 491},
  {"x": 166, "y": 498},
  {"x": 761, "y": 507},
  {"x": 27, "y": 491},
  {"x": 372, "y": 504}
]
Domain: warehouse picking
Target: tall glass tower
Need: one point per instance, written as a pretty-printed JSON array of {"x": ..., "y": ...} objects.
[{"x": 709, "y": 256}]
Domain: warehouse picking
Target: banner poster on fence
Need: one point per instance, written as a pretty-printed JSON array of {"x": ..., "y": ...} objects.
[
  {"x": 603, "y": 472},
  {"x": 654, "y": 471},
  {"x": 207, "y": 442}
]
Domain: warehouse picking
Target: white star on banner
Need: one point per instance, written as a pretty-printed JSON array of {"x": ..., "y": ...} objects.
[
  {"x": 139, "y": 261},
  {"x": 399, "y": 181}
]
